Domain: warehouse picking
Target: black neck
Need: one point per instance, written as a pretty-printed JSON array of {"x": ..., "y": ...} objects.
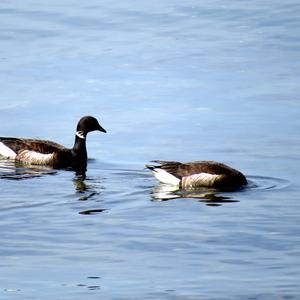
[
  {"x": 80, "y": 146},
  {"x": 79, "y": 154}
]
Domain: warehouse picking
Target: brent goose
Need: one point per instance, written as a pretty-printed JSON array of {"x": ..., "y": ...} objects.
[
  {"x": 41, "y": 152},
  {"x": 198, "y": 173}
]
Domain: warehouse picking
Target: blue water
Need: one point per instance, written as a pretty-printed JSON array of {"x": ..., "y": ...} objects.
[{"x": 168, "y": 80}]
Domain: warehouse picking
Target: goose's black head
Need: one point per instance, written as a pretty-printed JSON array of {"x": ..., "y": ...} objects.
[{"x": 87, "y": 124}]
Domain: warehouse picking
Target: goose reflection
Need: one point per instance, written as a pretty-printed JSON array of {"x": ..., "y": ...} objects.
[
  {"x": 211, "y": 197},
  {"x": 84, "y": 190},
  {"x": 88, "y": 192},
  {"x": 14, "y": 170}
]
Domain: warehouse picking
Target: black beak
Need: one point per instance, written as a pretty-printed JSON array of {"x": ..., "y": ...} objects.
[{"x": 100, "y": 128}]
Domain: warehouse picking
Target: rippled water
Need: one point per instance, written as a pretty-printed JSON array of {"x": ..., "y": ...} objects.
[{"x": 168, "y": 80}]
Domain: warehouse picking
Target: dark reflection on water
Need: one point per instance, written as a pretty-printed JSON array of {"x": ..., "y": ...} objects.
[
  {"x": 89, "y": 190},
  {"x": 217, "y": 200},
  {"x": 84, "y": 190},
  {"x": 90, "y": 287},
  {"x": 213, "y": 197},
  {"x": 92, "y": 211},
  {"x": 13, "y": 170}
]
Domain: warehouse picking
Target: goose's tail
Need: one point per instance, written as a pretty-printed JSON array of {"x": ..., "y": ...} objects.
[{"x": 162, "y": 175}]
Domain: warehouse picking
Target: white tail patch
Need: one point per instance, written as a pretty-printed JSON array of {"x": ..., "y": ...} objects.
[
  {"x": 35, "y": 158},
  {"x": 165, "y": 177},
  {"x": 7, "y": 152},
  {"x": 201, "y": 179}
]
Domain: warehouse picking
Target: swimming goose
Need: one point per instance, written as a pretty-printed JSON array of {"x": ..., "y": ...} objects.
[
  {"x": 42, "y": 152},
  {"x": 198, "y": 173}
]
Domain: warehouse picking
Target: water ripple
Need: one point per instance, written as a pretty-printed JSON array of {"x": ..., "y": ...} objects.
[
  {"x": 262, "y": 183},
  {"x": 10, "y": 169},
  {"x": 213, "y": 197}
]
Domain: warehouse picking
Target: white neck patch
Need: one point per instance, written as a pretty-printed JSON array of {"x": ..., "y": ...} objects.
[{"x": 80, "y": 134}]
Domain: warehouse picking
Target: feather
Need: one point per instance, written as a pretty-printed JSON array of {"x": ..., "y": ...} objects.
[
  {"x": 201, "y": 179},
  {"x": 165, "y": 177},
  {"x": 35, "y": 158},
  {"x": 6, "y": 151},
  {"x": 198, "y": 173}
]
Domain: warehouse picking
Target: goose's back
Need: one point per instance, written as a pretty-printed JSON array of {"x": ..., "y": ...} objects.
[
  {"x": 40, "y": 146},
  {"x": 209, "y": 173}
]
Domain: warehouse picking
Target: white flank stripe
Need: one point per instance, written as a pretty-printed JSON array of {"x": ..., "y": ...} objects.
[
  {"x": 6, "y": 151},
  {"x": 165, "y": 177},
  {"x": 35, "y": 158},
  {"x": 201, "y": 179}
]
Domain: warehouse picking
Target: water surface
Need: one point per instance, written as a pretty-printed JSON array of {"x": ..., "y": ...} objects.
[{"x": 168, "y": 80}]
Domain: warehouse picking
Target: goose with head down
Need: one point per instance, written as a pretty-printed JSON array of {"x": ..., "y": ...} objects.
[
  {"x": 210, "y": 174},
  {"x": 43, "y": 152}
]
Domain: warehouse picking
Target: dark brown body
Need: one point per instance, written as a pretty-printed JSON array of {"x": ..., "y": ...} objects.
[{"x": 192, "y": 174}]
